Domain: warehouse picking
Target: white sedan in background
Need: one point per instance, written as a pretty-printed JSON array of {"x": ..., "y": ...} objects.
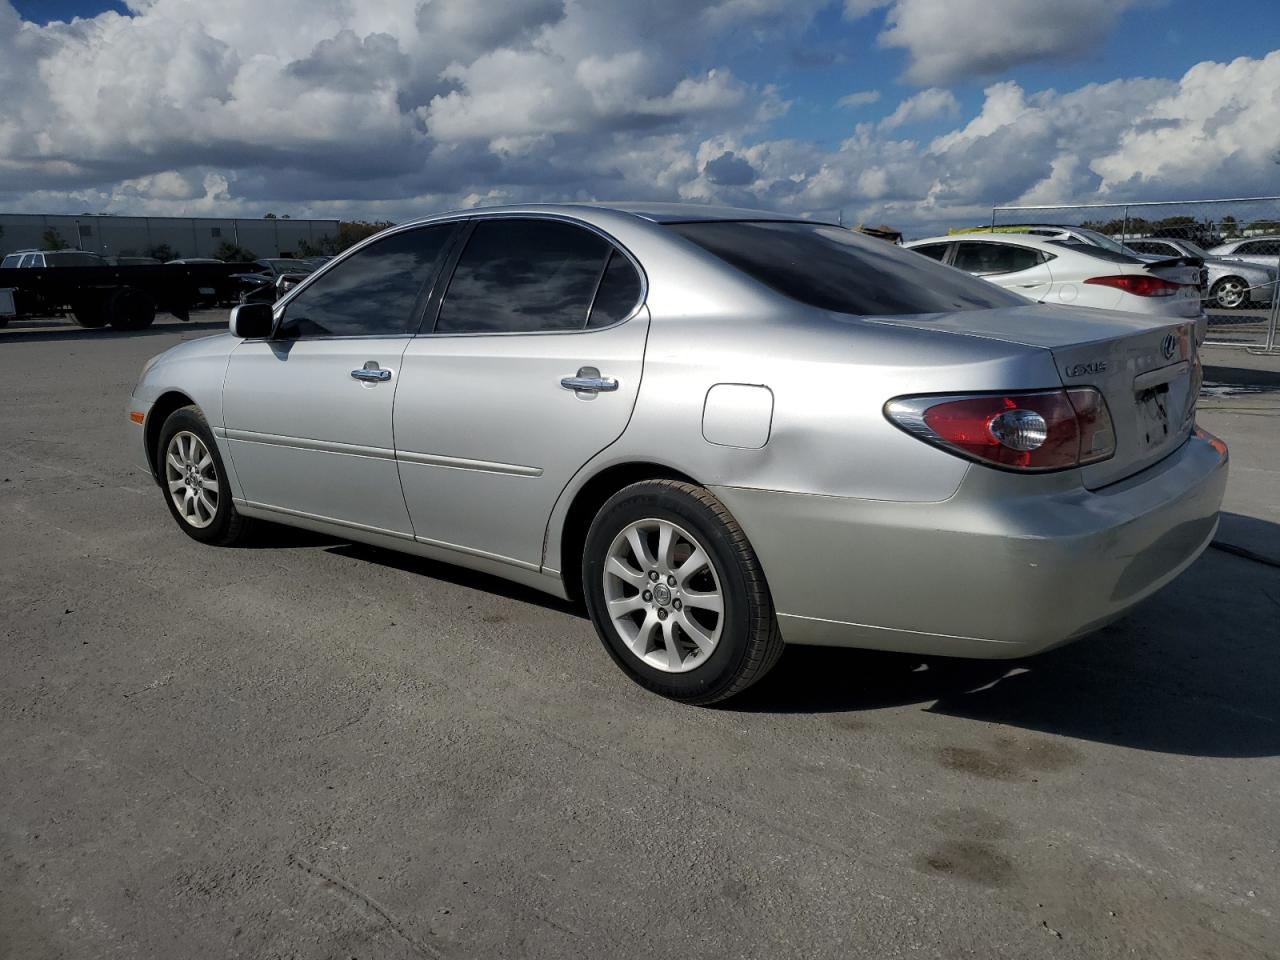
[{"x": 1066, "y": 271}]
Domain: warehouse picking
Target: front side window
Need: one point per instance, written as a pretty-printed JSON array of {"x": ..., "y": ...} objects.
[
  {"x": 835, "y": 269},
  {"x": 1153, "y": 249},
  {"x": 528, "y": 276},
  {"x": 1263, "y": 247},
  {"x": 11, "y": 261},
  {"x": 992, "y": 258},
  {"x": 373, "y": 292}
]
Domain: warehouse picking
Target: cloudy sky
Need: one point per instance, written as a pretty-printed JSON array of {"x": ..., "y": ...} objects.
[{"x": 912, "y": 112}]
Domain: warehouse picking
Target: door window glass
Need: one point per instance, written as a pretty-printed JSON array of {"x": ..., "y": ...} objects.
[
  {"x": 618, "y": 293},
  {"x": 523, "y": 276},
  {"x": 374, "y": 292},
  {"x": 934, "y": 251},
  {"x": 1255, "y": 247},
  {"x": 985, "y": 258}
]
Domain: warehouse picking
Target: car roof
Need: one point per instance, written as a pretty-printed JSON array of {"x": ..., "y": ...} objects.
[
  {"x": 655, "y": 212},
  {"x": 1027, "y": 239}
]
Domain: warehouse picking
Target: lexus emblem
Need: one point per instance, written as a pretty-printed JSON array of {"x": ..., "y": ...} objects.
[{"x": 1169, "y": 346}]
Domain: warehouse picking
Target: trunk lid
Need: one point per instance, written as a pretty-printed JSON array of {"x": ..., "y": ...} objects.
[{"x": 1147, "y": 369}]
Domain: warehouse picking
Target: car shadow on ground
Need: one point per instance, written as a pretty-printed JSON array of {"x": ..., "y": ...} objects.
[
  {"x": 1193, "y": 670},
  {"x": 46, "y": 331}
]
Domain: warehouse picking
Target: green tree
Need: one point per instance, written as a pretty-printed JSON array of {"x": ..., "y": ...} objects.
[
  {"x": 233, "y": 253},
  {"x": 51, "y": 239},
  {"x": 1229, "y": 226},
  {"x": 269, "y": 216},
  {"x": 162, "y": 252},
  {"x": 350, "y": 232}
]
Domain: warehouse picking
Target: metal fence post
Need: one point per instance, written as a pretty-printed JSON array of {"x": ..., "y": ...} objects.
[
  {"x": 1275, "y": 312},
  {"x": 1124, "y": 230}
]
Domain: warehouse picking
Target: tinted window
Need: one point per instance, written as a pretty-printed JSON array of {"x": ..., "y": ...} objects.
[
  {"x": 73, "y": 259},
  {"x": 10, "y": 261},
  {"x": 836, "y": 269},
  {"x": 1098, "y": 253},
  {"x": 618, "y": 293},
  {"x": 1260, "y": 246},
  {"x": 29, "y": 260},
  {"x": 990, "y": 258},
  {"x": 523, "y": 276},
  {"x": 934, "y": 251},
  {"x": 1154, "y": 249},
  {"x": 374, "y": 292}
]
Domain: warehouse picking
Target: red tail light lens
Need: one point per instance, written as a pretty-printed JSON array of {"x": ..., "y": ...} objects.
[
  {"x": 1140, "y": 285},
  {"x": 1043, "y": 430}
]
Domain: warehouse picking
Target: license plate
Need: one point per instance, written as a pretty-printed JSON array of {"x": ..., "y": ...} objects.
[
  {"x": 1153, "y": 415},
  {"x": 207, "y": 291}
]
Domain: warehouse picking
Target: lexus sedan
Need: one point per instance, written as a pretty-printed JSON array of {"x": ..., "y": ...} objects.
[{"x": 724, "y": 430}]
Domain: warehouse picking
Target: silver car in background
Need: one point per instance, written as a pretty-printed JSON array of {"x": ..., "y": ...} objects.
[
  {"x": 722, "y": 429},
  {"x": 1232, "y": 284}
]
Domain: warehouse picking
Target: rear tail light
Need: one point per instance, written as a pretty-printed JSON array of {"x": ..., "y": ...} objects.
[
  {"x": 1043, "y": 430},
  {"x": 1140, "y": 285}
]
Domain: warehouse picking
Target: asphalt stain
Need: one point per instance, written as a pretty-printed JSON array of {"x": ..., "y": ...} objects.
[
  {"x": 1010, "y": 758},
  {"x": 494, "y": 618},
  {"x": 969, "y": 860}
]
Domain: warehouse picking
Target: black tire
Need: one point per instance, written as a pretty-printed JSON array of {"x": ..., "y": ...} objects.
[
  {"x": 129, "y": 309},
  {"x": 1231, "y": 283},
  {"x": 227, "y": 527},
  {"x": 89, "y": 312},
  {"x": 749, "y": 642}
]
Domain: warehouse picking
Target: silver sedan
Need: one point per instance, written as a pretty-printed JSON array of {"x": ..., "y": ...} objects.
[{"x": 723, "y": 430}]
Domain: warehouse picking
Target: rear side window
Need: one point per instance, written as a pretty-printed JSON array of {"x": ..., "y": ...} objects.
[
  {"x": 993, "y": 258},
  {"x": 618, "y": 293},
  {"x": 373, "y": 292},
  {"x": 528, "y": 276},
  {"x": 1098, "y": 253},
  {"x": 835, "y": 269},
  {"x": 934, "y": 251}
]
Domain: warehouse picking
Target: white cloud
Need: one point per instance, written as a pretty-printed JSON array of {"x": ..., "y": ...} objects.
[
  {"x": 332, "y": 107},
  {"x": 859, "y": 99},
  {"x": 925, "y": 105},
  {"x": 962, "y": 38}
]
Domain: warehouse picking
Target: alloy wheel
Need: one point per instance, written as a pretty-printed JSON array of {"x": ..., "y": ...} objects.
[
  {"x": 192, "y": 479},
  {"x": 663, "y": 595}
]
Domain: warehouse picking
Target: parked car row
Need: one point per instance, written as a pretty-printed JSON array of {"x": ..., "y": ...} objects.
[{"x": 1237, "y": 275}]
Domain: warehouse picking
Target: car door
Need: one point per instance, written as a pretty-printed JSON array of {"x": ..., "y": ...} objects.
[
  {"x": 531, "y": 368},
  {"x": 1024, "y": 270},
  {"x": 1264, "y": 252},
  {"x": 307, "y": 412}
]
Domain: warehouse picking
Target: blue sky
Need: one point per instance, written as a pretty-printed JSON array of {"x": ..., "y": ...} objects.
[{"x": 388, "y": 108}]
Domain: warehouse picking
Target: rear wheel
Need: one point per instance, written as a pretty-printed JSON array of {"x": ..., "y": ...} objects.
[
  {"x": 130, "y": 309},
  {"x": 89, "y": 312},
  {"x": 194, "y": 481},
  {"x": 1230, "y": 293},
  {"x": 677, "y": 594}
]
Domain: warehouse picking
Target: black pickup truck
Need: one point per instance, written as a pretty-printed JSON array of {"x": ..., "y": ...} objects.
[{"x": 98, "y": 293}]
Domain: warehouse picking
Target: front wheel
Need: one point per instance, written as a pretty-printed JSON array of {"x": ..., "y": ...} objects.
[
  {"x": 1230, "y": 293},
  {"x": 677, "y": 594},
  {"x": 194, "y": 481}
]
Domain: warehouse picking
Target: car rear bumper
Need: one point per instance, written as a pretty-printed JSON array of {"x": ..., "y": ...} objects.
[{"x": 1005, "y": 568}]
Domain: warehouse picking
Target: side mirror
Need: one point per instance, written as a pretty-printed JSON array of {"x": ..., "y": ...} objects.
[{"x": 252, "y": 321}]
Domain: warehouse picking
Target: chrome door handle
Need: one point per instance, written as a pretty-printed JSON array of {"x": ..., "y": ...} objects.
[
  {"x": 371, "y": 373},
  {"x": 588, "y": 380}
]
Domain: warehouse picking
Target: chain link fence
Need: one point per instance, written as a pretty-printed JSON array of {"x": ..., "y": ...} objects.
[{"x": 1239, "y": 239}]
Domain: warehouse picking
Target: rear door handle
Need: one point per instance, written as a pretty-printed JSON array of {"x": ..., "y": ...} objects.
[
  {"x": 371, "y": 373},
  {"x": 588, "y": 380}
]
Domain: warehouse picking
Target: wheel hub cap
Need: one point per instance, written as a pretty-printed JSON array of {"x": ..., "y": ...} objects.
[
  {"x": 191, "y": 478},
  {"x": 663, "y": 595}
]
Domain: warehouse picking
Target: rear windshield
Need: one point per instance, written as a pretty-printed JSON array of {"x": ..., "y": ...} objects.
[
  {"x": 836, "y": 269},
  {"x": 1098, "y": 253}
]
